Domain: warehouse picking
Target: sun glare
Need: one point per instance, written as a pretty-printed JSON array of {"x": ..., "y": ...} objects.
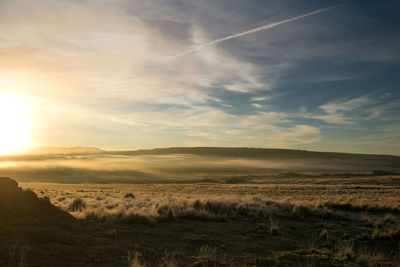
[{"x": 14, "y": 124}]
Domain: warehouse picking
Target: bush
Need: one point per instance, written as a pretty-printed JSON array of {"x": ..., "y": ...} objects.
[
  {"x": 197, "y": 205},
  {"x": 165, "y": 211},
  {"x": 77, "y": 205},
  {"x": 345, "y": 251},
  {"x": 129, "y": 195}
]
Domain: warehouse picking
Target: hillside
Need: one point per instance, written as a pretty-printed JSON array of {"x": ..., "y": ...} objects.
[
  {"x": 255, "y": 153},
  {"x": 189, "y": 164}
]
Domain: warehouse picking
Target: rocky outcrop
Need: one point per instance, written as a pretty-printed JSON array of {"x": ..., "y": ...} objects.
[{"x": 23, "y": 207}]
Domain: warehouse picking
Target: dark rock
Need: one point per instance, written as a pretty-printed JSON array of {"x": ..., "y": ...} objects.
[
  {"x": 23, "y": 207},
  {"x": 7, "y": 184}
]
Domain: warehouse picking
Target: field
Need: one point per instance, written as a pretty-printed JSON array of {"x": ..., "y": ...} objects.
[
  {"x": 317, "y": 222},
  {"x": 200, "y": 207}
]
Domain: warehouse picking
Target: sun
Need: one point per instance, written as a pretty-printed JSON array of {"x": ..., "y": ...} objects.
[{"x": 14, "y": 124}]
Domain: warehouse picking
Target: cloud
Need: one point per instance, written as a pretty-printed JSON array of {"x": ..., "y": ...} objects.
[
  {"x": 340, "y": 112},
  {"x": 94, "y": 71},
  {"x": 298, "y": 135},
  {"x": 260, "y": 98},
  {"x": 237, "y": 35},
  {"x": 350, "y": 105},
  {"x": 112, "y": 54}
]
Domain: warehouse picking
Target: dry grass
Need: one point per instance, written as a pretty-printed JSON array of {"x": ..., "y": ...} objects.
[
  {"x": 168, "y": 260},
  {"x": 134, "y": 259},
  {"x": 386, "y": 228},
  {"x": 207, "y": 256},
  {"x": 368, "y": 257},
  {"x": 273, "y": 225},
  {"x": 345, "y": 251},
  {"x": 368, "y": 215},
  {"x": 130, "y": 203},
  {"x": 324, "y": 235},
  {"x": 18, "y": 254},
  {"x": 76, "y": 205}
]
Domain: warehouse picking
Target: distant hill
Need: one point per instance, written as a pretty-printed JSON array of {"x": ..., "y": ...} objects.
[
  {"x": 255, "y": 153},
  {"x": 177, "y": 164}
]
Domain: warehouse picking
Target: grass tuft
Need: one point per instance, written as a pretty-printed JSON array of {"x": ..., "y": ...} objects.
[
  {"x": 129, "y": 195},
  {"x": 324, "y": 235},
  {"x": 134, "y": 259},
  {"x": 77, "y": 205},
  {"x": 345, "y": 251}
]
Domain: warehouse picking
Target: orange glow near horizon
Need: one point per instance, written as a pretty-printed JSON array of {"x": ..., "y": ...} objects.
[{"x": 14, "y": 124}]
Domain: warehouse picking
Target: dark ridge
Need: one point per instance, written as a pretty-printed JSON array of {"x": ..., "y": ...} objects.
[
  {"x": 207, "y": 180},
  {"x": 226, "y": 152},
  {"x": 236, "y": 180},
  {"x": 23, "y": 207},
  {"x": 7, "y": 184},
  {"x": 240, "y": 152}
]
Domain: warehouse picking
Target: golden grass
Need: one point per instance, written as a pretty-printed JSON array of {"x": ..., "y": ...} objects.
[
  {"x": 130, "y": 203},
  {"x": 371, "y": 210}
]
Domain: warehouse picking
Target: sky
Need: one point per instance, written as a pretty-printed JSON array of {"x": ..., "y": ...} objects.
[{"x": 129, "y": 74}]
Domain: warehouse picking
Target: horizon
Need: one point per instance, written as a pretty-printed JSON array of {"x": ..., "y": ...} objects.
[
  {"x": 32, "y": 150},
  {"x": 127, "y": 75}
]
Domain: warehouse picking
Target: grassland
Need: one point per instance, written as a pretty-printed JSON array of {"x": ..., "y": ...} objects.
[
  {"x": 315, "y": 222},
  {"x": 203, "y": 207}
]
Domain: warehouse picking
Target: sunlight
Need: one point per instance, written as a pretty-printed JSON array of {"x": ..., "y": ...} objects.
[{"x": 14, "y": 124}]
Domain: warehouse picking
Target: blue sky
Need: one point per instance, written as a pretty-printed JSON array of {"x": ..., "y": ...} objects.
[{"x": 111, "y": 73}]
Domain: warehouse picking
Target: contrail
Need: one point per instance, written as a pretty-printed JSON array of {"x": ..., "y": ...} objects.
[{"x": 262, "y": 28}]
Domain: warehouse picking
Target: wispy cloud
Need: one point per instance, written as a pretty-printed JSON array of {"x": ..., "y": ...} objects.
[
  {"x": 297, "y": 135},
  {"x": 363, "y": 109},
  {"x": 258, "y": 29},
  {"x": 94, "y": 71},
  {"x": 343, "y": 112}
]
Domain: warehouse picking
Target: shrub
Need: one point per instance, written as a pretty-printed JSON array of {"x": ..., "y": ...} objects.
[
  {"x": 345, "y": 251},
  {"x": 129, "y": 195},
  {"x": 165, "y": 211},
  {"x": 197, "y": 205},
  {"x": 77, "y": 205}
]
